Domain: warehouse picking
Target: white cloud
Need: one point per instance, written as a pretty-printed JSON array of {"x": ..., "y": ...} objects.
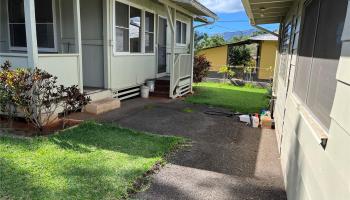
[{"x": 223, "y": 6}]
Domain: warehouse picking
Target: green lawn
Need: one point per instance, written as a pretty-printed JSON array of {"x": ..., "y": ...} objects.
[
  {"x": 237, "y": 99},
  {"x": 91, "y": 161}
]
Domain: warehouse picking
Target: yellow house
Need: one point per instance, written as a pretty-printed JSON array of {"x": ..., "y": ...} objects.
[
  {"x": 217, "y": 56},
  {"x": 264, "y": 53}
]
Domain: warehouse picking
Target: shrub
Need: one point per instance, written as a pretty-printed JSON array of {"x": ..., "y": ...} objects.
[
  {"x": 201, "y": 68},
  {"x": 36, "y": 94},
  {"x": 226, "y": 70}
]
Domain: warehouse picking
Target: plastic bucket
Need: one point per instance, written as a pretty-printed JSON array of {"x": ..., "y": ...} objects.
[
  {"x": 145, "y": 92},
  {"x": 150, "y": 85}
]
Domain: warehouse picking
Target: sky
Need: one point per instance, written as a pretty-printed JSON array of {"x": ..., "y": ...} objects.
[{"x": 232, "y": 17}]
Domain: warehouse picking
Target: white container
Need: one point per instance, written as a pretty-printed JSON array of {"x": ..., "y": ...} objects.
[
  {"x": 244, "y": 118},
  {"x": 145, "y": 92},
  {"x": 256, "y": 122},
  {"x": 150, "y": 85}
]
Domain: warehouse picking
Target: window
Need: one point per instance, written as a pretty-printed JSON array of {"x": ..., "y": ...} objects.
[
  {"x": 135, "y": 30},
  {"x": 319, "y": 53},
  {"x": 149, "y": 32},
  {"x": 181, "y": 32},
  {"x": 122, "y": 27},
  {"x": 128, "y": 28},
  {"x": 44, "y": 24}
]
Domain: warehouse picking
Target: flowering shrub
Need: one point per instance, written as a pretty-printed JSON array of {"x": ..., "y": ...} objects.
[
  {"x": 36, "y": 95},
  {"x": 201, "y": 68}
]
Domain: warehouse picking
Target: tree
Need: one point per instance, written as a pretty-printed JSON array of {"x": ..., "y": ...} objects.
[
  {"x": 239, "y": 55},
  {"x": 203, "y": 41}
]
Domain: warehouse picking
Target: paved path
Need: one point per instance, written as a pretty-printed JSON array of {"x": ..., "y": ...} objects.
[{"x": 226, "y": 159}]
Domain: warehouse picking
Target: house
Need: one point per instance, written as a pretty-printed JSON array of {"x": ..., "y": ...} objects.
[
  {"x": 263, "y": 48},
  {"x": 312, "y": 87},
  {"x": 109, "y": 47}
]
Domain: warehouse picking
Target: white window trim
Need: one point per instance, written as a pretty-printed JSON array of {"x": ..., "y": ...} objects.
[
  {"x": 50, "y": 50},
  {"x": 143, "y": 9},
  {"x": 187, "y": 25}
]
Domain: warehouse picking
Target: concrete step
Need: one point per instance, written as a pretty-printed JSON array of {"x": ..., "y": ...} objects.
[
  {"x": 102, "y": 106},
  {"x": 98, "y": 95}
]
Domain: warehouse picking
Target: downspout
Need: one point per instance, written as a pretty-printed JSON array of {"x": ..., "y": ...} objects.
[{"x": 265, "y": 30}]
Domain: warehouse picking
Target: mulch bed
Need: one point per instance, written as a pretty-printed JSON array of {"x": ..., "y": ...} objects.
[{"x": 19, "y": 127}]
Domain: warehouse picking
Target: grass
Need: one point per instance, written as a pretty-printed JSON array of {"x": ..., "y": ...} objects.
[
  {"x": 237, "y": 99},
  {"x": 91, "y": 161}
]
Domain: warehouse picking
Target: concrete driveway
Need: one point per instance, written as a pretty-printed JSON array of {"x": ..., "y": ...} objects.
[{"x": 226, "y": 159}]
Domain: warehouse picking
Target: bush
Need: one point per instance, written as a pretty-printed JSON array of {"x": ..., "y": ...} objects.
[
  {"x": 201, "y": 68},
  {"x": 36, "y": 95},
  {"x": 227, "y": 71}
]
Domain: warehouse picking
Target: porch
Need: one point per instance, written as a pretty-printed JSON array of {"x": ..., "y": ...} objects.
[{"x": 77, "y": 43}]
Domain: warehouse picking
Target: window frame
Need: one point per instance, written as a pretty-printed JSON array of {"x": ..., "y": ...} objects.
[
  {"x": 154, "y": 32},
  {"x": 187, "y": 25},
  {"x": 143, "y": 33},
  {"x": 40, "y": 49}
]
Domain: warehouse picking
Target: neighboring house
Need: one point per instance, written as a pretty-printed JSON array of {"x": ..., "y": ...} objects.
[
  {"x": 264, "y": 48},
  {"x": 104, "y": 45},
  {"x": 312, "y": 87}
]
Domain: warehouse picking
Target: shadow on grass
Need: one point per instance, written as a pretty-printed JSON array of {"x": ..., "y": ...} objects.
[
  {"x": 91, "y": 136},
  {"x": 235, "y": 100},
  {"x": 20, "y": 184},
  {"x": 91, "y": 161}
]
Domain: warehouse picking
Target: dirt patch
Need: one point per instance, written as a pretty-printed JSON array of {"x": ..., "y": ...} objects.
[{"x": 20, "y": 127}]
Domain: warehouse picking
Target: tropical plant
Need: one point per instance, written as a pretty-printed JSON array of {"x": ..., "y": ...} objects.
[
  {"x": 201, "y": 68},
  {"x": 36, "y": 95},
  {"x": 227, "y": 71}
]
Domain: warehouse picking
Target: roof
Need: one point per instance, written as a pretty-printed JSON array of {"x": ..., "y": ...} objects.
[
  {"x": 251, "y": 40},
  {"x": 196, "y": 8},
  {"x": 265, "y": 37},
  {"x": 267, "y": 12}
]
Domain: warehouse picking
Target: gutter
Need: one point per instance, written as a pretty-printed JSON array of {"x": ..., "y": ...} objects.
[{"x": 200, "y": 7}]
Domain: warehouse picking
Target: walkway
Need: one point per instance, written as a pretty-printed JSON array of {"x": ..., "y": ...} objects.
[{"x": 226, "y": 159}]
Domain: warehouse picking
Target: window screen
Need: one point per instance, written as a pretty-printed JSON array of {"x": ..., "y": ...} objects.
[
  {"x": 181, "y": 32},
  {"x": 122, "y": 27},
  {"x": 135, "y": 30},
  {"x": 319, "y": 54},
  {"x": 149, "y": 32},
  {"x": 178, "y": 32},
  {"x": 44, "y": 24},
  {"x": 184, "y": 33}
]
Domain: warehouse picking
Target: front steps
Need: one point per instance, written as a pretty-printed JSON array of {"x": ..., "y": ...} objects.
[
  {"x": 161, "y": 87},
  {"x": 102, "y": 101},
  {"x": 102, "y": 106}
]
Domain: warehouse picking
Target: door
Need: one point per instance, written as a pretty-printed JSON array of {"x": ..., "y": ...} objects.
[
  {"x": 162, "y": 41},
  {"x": 92, "y": 43}
]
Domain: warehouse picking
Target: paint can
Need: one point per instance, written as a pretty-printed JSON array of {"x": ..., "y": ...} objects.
[{"x": 145, "y": 92}]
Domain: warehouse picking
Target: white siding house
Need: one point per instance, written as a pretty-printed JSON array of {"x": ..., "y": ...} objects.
[
  {"x": 312, "y": 87},
  {"x": 114, "y": 45}
]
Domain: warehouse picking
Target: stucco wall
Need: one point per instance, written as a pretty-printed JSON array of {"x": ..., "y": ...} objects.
[
  {"x": 267, "y": 59},
  {"x": 310, "y": 171},
  {"x": 217, "y": 56}
]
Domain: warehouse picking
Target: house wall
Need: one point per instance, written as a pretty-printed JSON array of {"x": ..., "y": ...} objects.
[
  {"x": 134, "y": 69},
  {"x": 217, "y": 56},
  {"x": 267, "y": 59},
  {"x": 311, "y": 172}
]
